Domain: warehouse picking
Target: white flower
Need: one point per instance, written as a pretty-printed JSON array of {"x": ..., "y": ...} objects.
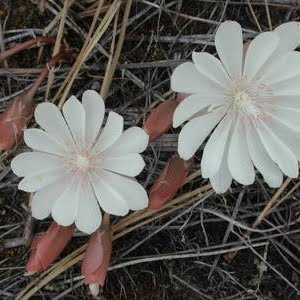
[
  {"x": 252, "y": 97},
  {"x": 77, "y": 168}
]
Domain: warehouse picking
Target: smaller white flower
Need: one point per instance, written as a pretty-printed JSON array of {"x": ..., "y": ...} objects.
[
  {"x": 249, "y": 100},
  {"x": 77, "y": 167}
]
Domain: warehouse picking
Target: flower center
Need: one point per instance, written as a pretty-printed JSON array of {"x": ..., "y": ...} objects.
[
  {"x": 240, "y": 99},
  {"x": 82, "y": 162},
  {"x": 243, "y": 101},
  {"x": 249, "y": 99}
]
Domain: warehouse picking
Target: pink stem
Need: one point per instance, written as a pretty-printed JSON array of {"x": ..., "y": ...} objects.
[{"x": 23, "y": 46}]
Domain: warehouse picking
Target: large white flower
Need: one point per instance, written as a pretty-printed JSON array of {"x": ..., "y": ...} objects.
[
  {"x": 77, "y": 167},
  {"x": 252, "y": 99}
]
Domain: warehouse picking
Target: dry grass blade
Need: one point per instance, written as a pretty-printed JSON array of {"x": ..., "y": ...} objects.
[
  {"x": 85, "y": 52},
  {"x": 105, "y": 84},
  {"x": 57, "y": 45},
  {"x": 148, "y": 213},
  {"x": 268, "y": 15},
  {"x": 112, "y": 67},
  {"x": 271, "y": 205},
  {"x": 266, "y": 211},
  {"x": 254, "y": 15}
]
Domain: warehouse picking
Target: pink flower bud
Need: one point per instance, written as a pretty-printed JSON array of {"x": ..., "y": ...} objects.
[
  {"x": 14, "y": 120},
  {"x": 160, "y": 119},
  {"x": 46, "y": 248},
  {"x": 97, "y": 257},
  {"x": 169, "y": 181}
]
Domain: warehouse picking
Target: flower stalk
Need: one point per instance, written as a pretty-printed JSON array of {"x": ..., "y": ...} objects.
[{"x": 25, "y": 45}]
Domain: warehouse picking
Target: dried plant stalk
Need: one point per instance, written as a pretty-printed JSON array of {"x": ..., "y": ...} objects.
[{"x": 26, "y": 45}]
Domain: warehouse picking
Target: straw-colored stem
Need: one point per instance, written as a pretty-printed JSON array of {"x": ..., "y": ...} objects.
[
  {"x": 115, "y": 60},
  {"x": 91, "y": 42},
  {"x": 57, "y": 45}
]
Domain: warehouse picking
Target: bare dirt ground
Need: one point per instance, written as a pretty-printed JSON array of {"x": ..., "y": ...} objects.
[{"x": 186, "y": 250}]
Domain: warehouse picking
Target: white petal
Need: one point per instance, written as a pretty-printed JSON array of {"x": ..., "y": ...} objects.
[
  {"x": 129, "y": 189},
  {"x": 65, "y": 208},
  {"x": 48, "y": 116},
  {"x": 229, "y": 44},
  {"x": 287, "y": 101},
  {"x": 288, "y": 69},
  {"x": 93, "y": 105},
  {"x": 287, "y": 87},
  {"x": 288, "y": 136},
  {"x": 42, "y": 141},
  {"x": 75, "y": 117},
  {"x": 239, "y": 161},
  {"x": 110, "y": 133},
  {"x": 37, "y": 182},
  {"x": 88, "y": 217},
  {"x": 288, "y": 116},
  {"x": 132, "y": 140},
  {"x": 214, "y": 149},
  {"x": 221, "y": 181},
  {"x": 289, "y": 34},
  {"x": 32, "y": 163},
  {"x": 278, "y": 151},
  {"x": 258, "y": 53},
  {"x": 110, "y": 200},
  {"x": 211, "y": 67},
  {"x": 192, "y": 105},
  {"x": 272, "y": 68},
  {"x": 261, "y": 159},
  {"x": 130, "y": 164},
  {"x": 195, "y": 132},
  {"x": 187, "y": 79},
  {"x": 44, "y": 199}
]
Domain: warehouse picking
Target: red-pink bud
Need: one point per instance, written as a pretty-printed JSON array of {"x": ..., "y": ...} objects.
[
  {"x": 46, "y": 248},
  {"x": 169, "y": 181},
  {"x": 97, "y": 256},
  {"x": 14, "y": 120},
  {"x": 160, "y": 119}
]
